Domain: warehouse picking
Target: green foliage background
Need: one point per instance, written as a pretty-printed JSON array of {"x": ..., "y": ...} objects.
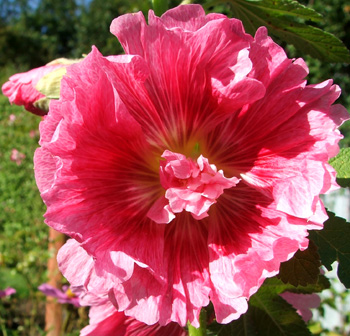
[
  {"x": 33, "y": 36},
  {"x": 23, "y": 235},
  {"x": 336, "y": 20}
]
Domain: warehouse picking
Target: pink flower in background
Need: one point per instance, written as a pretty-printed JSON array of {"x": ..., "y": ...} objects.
[
  {"x": 7, "y": 292},
  {"x": 302, "y": 303},
  {"x": 17, "y": 156},
  {"x": 33, "y": 133},
  {"x": 21, "y": 88},
  {"x": 188, "y": 169},
  {"x": 63, "y": 296},
  {"x": 12, "y": 119}
]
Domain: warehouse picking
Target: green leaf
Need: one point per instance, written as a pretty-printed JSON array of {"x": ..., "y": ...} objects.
[
  {"x": 334, "y": 244},
  {"x": 281, "y": 318},
  {"x": 202, "y": 330},
  {"x": 313, "y": 41},
  {"x": 268, "y": 314},
  {"x": 281, "y": 8},
  {"x": 341, "y": 163},
  {"x": 303, "y": 268},
  {"x": 284, "y": 19},
  {"x": 278, "y": 286}
]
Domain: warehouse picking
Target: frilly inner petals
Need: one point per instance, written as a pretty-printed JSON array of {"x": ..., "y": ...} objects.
[{"x": 190, "y": 186}]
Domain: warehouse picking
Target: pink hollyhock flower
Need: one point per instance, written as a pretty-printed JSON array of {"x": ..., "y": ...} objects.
[
  {"x": 17, "y": 156},
  {"x": 63, "y": 296},
  {"x": 7, "y": 292},
  {"x": 21, "y": 88},
  {"x": 302, "y": 303},
  {"x": 188, "y": 169}
]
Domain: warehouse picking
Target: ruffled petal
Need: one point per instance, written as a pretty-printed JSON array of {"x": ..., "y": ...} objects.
[
  {"x": 195, "y": 56},
  {"x": 247, "y": 242},
  {"x": 105, "y": 320}
]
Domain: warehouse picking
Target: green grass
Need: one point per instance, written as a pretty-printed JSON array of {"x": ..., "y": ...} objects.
[{"x": 23, "y": 235}]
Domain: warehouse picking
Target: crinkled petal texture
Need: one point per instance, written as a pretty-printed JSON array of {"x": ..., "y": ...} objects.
[
  {"x": 114, "y": 323},
  {"x": 20, "y": 89},
  {"x": 189, "y": 168},
  {"x": 105, "y": 320}
]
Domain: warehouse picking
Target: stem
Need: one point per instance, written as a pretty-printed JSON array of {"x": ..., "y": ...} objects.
[
  {"x": 66, "y": 320},
  {"x": 202, "y": 330},
  {"x": 160, "y": 6},
  {"x": 2, "y": 323},
  {"x": 53, "y": 312},
  {"x": 3, "y": 329}
]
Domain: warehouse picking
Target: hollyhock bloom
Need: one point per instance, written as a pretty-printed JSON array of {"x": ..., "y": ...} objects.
[
  {"x": 21, "y": 88},
  {"x": 63, "y": 296},
  {"x": 7, "y": 292},
  {"x": 302, "y": 303},
  {"x": 188, "y": 169},
  {"x": 17, "y": 156}
]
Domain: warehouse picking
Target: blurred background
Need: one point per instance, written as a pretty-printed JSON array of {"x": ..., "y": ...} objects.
[{"x": 33, "y": 33}]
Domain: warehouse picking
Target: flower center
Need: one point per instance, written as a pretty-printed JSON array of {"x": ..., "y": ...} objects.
[
  {"x": 190, "y": 185},
  {"x": 70, "y": 294}
]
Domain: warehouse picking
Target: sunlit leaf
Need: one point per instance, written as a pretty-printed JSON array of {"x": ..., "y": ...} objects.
[
  {"x": 285, "y": 20},
  {"x": 278, "y": 286},
  {"x": 341, "y": 163},
  {"x": 281, "y": 8}
]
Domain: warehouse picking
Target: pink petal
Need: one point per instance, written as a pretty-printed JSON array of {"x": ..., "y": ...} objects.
[{"x": 105, "y": 320}]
